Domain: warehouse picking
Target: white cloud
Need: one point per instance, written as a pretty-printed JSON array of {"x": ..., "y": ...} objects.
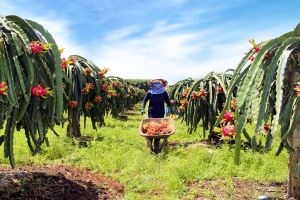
[
  {"x": 163, "y": 27},
  {"x": 122, "y": 33},
  {"x": 153, "y": 55},
  {"x": 165, "y": 52},
  {"x": 61, "y": 32},
  {"x": 6, "y": 7},
  {"x": 168, "y": 50},
  {"x": 59, "y": 28}
]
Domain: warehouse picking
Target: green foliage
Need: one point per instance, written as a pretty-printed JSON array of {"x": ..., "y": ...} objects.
[
  {"x": 139, "y": 83},
  {"x": 176, "y": 90},
  {"x": 128, "y": 95},
  {"x": 263, "y": 84},
  {"x": 21, "y": 69},
  {"x": 201, "y": 101},
  {"x": 95, "y": 95},
  {"x": 265, "y": 93},
  {"x": 118, "y": 151},
  {"x": 83, "y": 86}
]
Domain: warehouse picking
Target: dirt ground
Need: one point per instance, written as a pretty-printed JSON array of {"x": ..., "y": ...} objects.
[
  {"x": 56, "y": 182},
  {"x": 63, "y": 182},
  {"x": 234, "y": 189}
]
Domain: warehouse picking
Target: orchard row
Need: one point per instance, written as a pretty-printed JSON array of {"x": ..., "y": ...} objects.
[{"x": 37, "y": 86}]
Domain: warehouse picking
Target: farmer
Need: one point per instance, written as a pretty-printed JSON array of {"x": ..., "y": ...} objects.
[{"x": 157, "y": 97}]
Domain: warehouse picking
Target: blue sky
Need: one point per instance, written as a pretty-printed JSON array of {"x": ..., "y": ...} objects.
[{"x": 171, "y": 39}]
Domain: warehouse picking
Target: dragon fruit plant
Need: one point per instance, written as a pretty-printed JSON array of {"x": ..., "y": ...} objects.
[{"x": 31, "y": 93}]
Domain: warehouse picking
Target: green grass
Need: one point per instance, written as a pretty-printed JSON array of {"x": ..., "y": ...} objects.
[{"x": 121, "y": 153}]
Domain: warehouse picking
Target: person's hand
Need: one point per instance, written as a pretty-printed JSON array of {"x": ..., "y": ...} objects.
[{"x": 173, "y": 116}]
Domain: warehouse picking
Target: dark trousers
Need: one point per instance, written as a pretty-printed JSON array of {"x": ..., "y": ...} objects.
[{"x": 156, "y": 141}]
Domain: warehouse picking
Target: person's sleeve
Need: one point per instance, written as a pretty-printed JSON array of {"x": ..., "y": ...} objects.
[
  {"x": 145, "y": 100},
  {"x": 167, "y": 99}
]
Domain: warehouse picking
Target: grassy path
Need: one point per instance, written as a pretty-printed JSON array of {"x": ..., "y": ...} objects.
[{"x": 118, "y": 151}]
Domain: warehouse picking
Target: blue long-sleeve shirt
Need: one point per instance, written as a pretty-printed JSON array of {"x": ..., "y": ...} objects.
[{"x": 156, "y": 104}]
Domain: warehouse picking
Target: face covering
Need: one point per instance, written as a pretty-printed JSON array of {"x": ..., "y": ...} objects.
[{"x": 157, "y": 88}]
